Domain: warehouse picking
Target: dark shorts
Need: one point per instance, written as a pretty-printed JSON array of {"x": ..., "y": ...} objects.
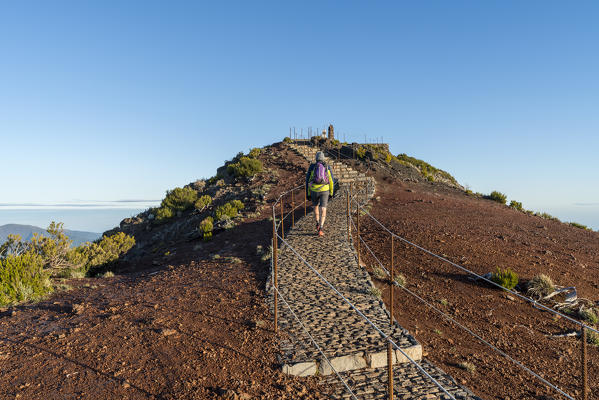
[{"x": 320, "y": 198}]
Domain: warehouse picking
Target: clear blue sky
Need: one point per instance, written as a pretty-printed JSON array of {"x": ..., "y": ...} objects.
[{"x": 111, "y": 100}]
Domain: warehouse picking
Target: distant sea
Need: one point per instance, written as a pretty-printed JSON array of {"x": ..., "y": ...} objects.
[
  {"x": 586, "y": 214},
  {"x": 89, "y": 216}
]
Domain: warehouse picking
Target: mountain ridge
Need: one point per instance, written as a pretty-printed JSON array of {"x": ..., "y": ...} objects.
[{"x": 27, "y": 231}]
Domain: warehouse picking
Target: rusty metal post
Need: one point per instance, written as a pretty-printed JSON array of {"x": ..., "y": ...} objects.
[
  {"x": 389, "y": 370},
  {"x": 305, "y": 199},
  {"x": 391, "y": 285},
  {"x": 282, "y": 220},
  {"x": 585, "y": 376},
  {"x": 358, "y": 230},
  {"x": 292, "y": 210},
  {"x": 348, "y": 217},
  {"x": 275, "y": 269}
]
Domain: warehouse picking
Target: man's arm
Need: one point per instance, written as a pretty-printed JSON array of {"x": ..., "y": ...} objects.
[
  {"x": 308, "y": 179},
  {"x": 331, "y": 182}
]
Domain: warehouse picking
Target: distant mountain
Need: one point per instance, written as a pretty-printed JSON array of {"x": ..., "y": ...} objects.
[{"x": 27, "y": 231}]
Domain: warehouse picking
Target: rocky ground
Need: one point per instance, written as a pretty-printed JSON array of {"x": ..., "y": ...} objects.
[
  {"x": 482, "y": 235},
  {"x": 188, "y": 319}
]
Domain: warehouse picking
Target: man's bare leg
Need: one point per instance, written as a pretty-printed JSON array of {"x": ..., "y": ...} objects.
[
  {"x": 317, "y": 214},
  {"x": 323, "y": 215}
]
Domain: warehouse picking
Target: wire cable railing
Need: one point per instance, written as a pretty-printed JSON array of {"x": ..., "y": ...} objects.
[
  {"x": 535, "y": 304},
  {"x": 352, "y": 394},
  {"x": 481, "y": 277},
  {"x": 466, "y": 329},
  {"x": 385, "y": 337}
]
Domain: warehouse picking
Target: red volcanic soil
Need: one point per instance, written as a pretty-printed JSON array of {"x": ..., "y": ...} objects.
[
  {"x": 189, "y": 324},
  {"x": 481, "y": 235}
]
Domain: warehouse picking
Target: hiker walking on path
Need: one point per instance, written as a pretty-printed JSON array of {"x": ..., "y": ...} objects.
[{"x": 319, "y": 186}]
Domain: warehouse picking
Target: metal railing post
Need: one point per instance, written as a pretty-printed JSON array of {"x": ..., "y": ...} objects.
[
  {"x": 389, "y": 370},
  {"x": 391, "y": 289},
  {"x": 348, "y": 217},
  {"x": 275, "y": 269},
  {"x": 282, "y": 220},
  {"x": 585, "y": 385},
  {"x": 358, "y": 230},
  {"x": 305, "y": 199},
  {"x": 292, "y": 210}
]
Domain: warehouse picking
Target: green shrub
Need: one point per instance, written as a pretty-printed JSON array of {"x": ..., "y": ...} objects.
[
  {"x": 498, "y": 197},
  {"x": 400, "y": 279},
  {"x": 506, "y": 278},
  {"x": 228, "y": 210},
  {"x": 102, "y": 251},
  {"x": 589, "y": 315},
  {"x": 245, "y": 167},
  {"x": 212, "y": 181},
  {"x": 425, "y": 168},
  {"x": 545, "y": 215},
  {"x": 53, "y": 249},
  {"x": 430, "y": 178},
  {"x": 206, "y": 227},
  {"x": 378, "y": 273},
  {"x": 238, "y": 204},
  {"x": 178, "y": 199},
  {"x": 376, "y": 292},
  {"x": 516, "y": 205},
  {"x": 467, "y": 366},
  {"x": 593, "y": 338},
  {"x": 23, "y": 278},
  {"x": 255, "y": 152},
  {"x": 580, "y": 226},
  {"x": 540, "y": 286},
  {"x": 287, "y": 139},
  {"x": 162, "y": 214},
  {"x": 361, "y": 152},
  {"x": 203, "y": 202}
]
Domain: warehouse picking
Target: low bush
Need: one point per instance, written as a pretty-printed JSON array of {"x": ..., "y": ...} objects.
[
  {"x": 361, "y": 152},
  {"x": 593, "y": 338},
  {"x": 376, "y": 292},
  {"x": 255, "y": 152},
  {"x": 206, "y": 227},
  {"x": 505, "y": 278},
  {"x": 246, "y": 167},
  {"x": 467, "y": 366},
  {"x": 589, "y": 315},
  {"x": 26, "y": 275},
  {"x": 378, "y": 273},
  {"x": 178, "y": 199},
  {"x": 287, "y": 139},
  {"x": 203, "y": 202},
  {"x": 580, "y": 226},
  {"x": 425, "y": 168},
  {"x": 545, "y": 215},
  {"x": 102, "y": 252},
  {"x": 498, "y": 197},
  {"x": 23, "y": 278},
  {"x": 540, "y": 286},
  {"x": 228, "y": 210},
  {"x": 516, "y": 205},
  {"x": 400, "y": 279}
]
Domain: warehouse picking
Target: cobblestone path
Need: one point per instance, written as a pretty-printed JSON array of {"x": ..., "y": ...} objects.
[
  {"x": 347, "y": 340},
  {"x": 353, "y": 347}
]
